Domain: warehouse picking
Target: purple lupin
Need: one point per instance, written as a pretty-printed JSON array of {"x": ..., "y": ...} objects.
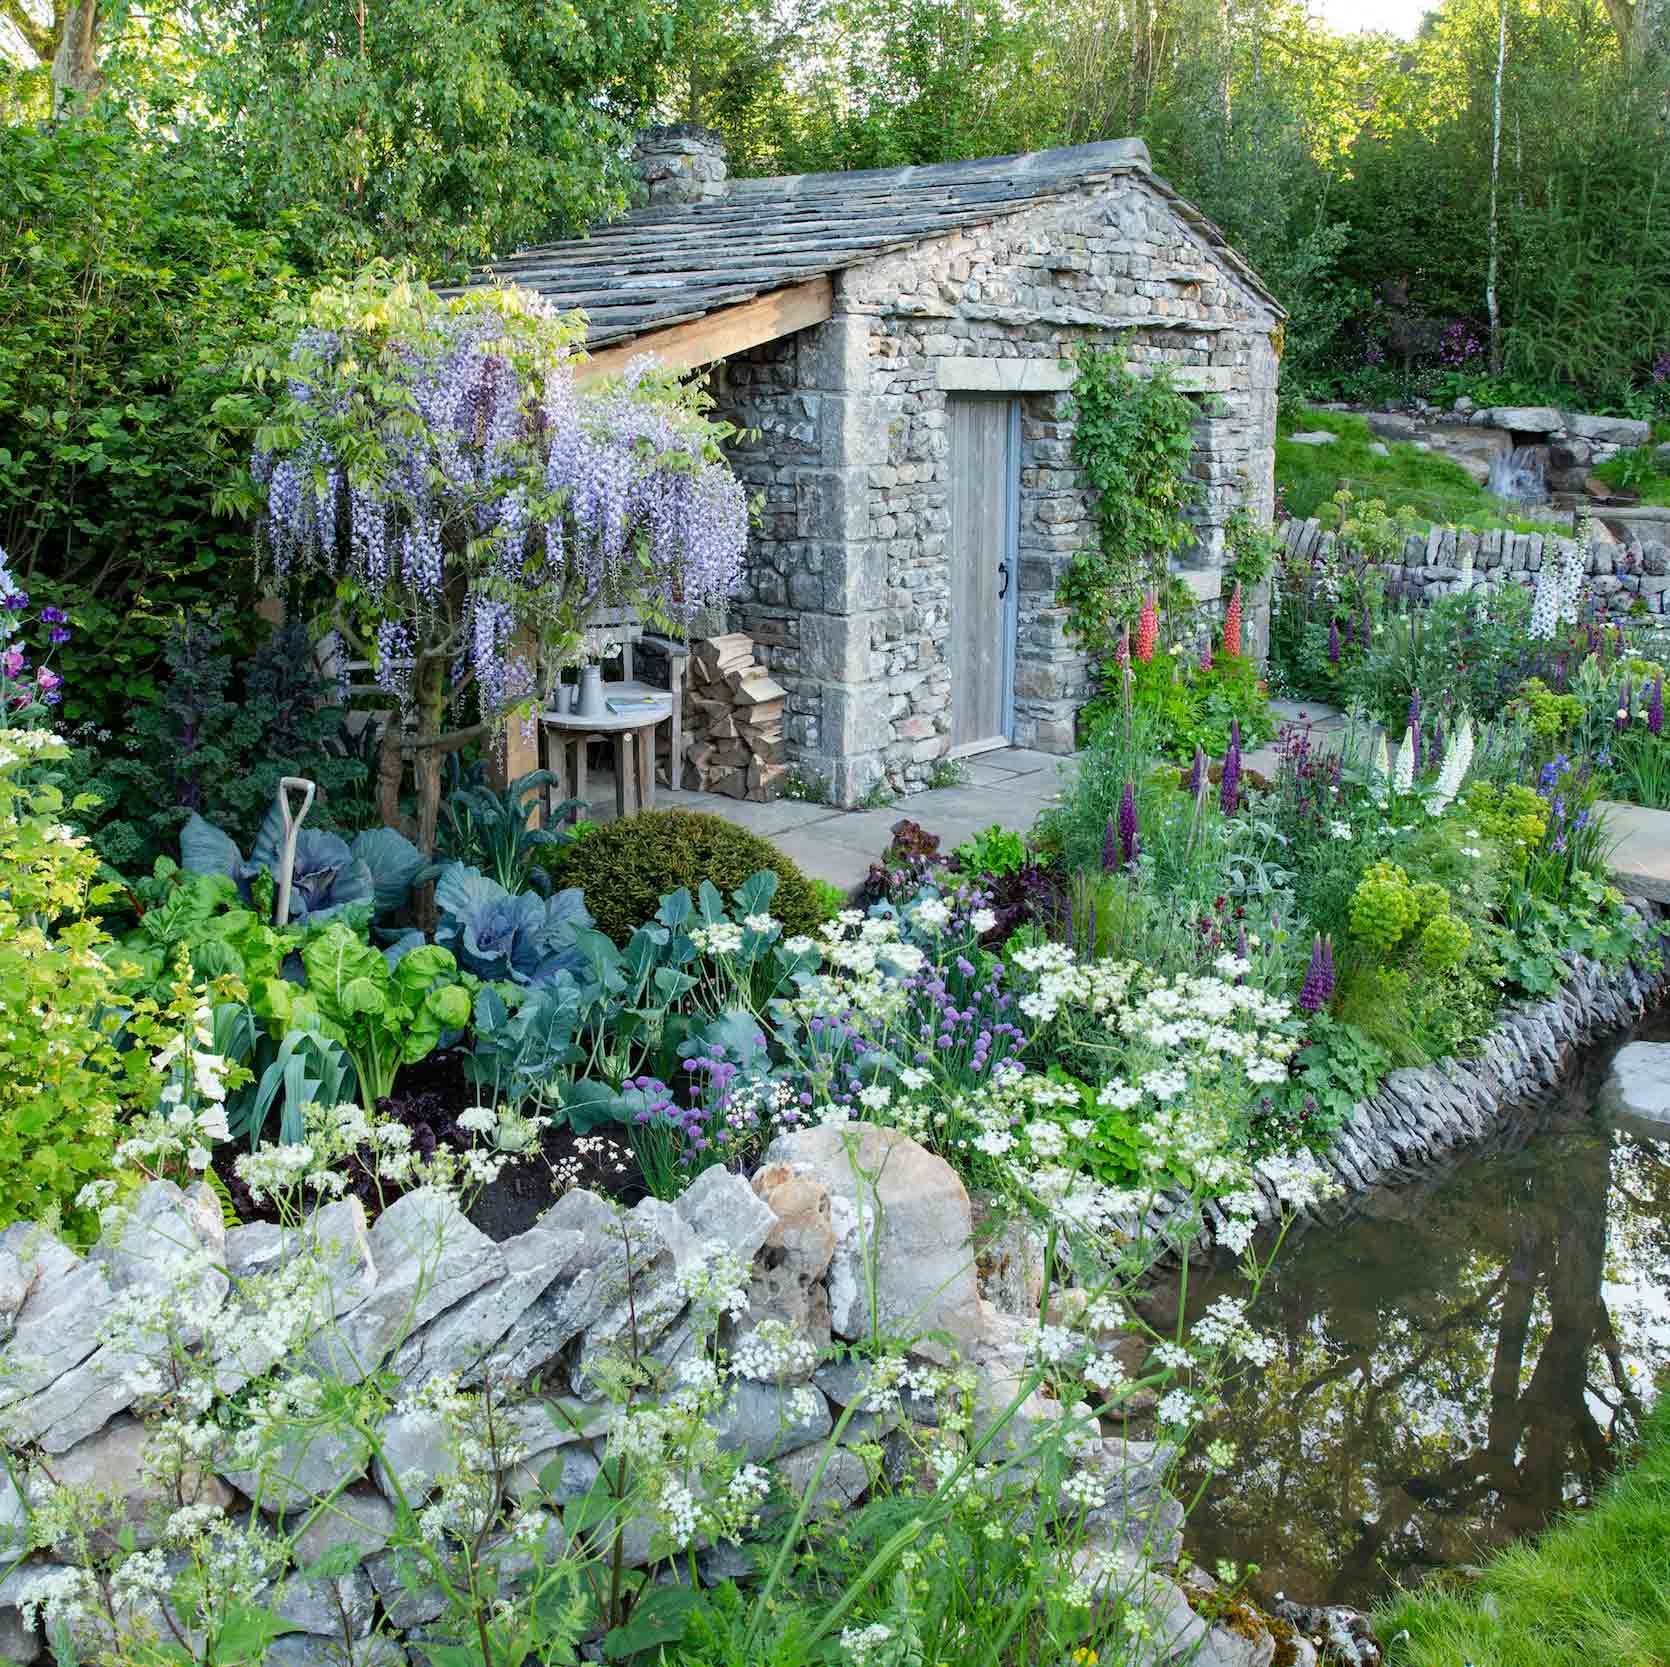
[
  {"x": 1314, "y": 992},
  {"x": 1129, "y": 845},
  {"x": 1229, "y": 796},
  {"x": 1655, "y": 707},
  {"x": 1198, "y": 774}
]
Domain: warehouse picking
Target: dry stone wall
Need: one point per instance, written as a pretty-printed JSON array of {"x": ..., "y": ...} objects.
[
  {"x": 1629, "y": 579},
  {"x": 423, "y": 1295},
  {"x": 849, "y": 582}
]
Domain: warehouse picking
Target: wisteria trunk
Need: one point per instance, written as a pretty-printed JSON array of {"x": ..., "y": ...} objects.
[{"x": 429, "y": 691}]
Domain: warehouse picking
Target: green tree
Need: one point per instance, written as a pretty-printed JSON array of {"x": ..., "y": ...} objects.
[{"x": 127, "y": 292}]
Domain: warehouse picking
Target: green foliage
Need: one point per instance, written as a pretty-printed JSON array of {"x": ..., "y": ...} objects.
[
  {"x": 216, "y": 741},
  {"x": 383, "y": 1016},
  {"x": 1550, "y": 717},
  {"x": 497, "y": 832},
  {"x": 60, "y": 1082},
  {"x": 1185, "y": 705},
  {"x": 127, "y": 292},
  {"x": 1336, "y": 1069},
  {"x": 625, "y": 867},
  {"x": 1390, "y": 912},
  {"x": 994, "y": 850},
  {"x": 1132, "y": 438},
  {"x": 434, "y": 133}
]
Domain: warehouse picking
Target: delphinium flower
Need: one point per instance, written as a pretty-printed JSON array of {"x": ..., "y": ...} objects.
[
  {"x": 1130, "y": 845},
  {"x": 1333, "y": 642},
  {"x": 1545, "y": 609},
  {"x": 1232, "y": 625},
  {"x": 1148, "y": 628},
  {"x": 1229, "y": 794}
]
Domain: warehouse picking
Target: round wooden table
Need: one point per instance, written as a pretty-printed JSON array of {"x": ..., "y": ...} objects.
[{"x": 633, "y": 734}]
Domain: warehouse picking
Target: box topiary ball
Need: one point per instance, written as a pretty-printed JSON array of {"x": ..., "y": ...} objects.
[{"x": 627, "y": 866}]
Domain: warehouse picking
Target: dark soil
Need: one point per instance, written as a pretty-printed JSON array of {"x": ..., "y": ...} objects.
[{"x": 427, "y": 1099}]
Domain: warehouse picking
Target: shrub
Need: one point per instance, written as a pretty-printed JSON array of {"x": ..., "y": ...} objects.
[{"x": 626, "y": 867}]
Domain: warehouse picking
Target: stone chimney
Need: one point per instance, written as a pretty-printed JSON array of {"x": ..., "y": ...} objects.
[{"x": 683, "y": 163}]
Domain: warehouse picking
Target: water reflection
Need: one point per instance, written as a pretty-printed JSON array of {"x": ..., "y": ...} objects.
[{"x": 1454, "y": 1365}]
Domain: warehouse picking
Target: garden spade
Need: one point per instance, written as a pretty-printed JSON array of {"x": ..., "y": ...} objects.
[{"x": 293, "y": 820}]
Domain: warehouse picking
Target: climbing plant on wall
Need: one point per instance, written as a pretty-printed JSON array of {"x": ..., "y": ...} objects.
[{"x": 1132, "y": 437}]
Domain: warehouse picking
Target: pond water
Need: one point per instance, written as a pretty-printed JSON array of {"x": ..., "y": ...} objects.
[{"x": 1456, "y": 1363}]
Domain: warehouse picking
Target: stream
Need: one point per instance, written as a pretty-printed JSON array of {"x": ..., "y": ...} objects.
[{"x": 1456, "y": 1363}]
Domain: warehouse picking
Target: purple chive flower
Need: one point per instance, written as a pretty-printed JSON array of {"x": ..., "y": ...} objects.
[
  {"x": 1110, "y": 847},
  {"x": 1129, "y": 845},
  {"x": 1229, "y": 796},
  {"x": 1333, "y": 642},
  {"x": 1655, "y": 707}
]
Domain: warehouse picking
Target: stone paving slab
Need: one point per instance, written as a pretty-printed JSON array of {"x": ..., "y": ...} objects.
[{"x": 1641, "y": 854}]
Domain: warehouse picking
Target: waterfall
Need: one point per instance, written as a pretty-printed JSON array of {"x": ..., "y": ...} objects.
[{"x": 1521, "y": 475}]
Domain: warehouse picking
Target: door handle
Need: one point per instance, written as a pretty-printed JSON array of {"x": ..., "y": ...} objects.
[{"x": 1003, "y": 568}]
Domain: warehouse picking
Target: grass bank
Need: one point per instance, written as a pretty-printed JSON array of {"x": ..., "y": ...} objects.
[
  {"x": 1594, "y": 1591},
  {"x": 1430, "y": 487}
]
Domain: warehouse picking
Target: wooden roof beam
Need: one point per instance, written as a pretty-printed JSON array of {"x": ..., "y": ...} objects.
[{"x": 719, "y": 334}]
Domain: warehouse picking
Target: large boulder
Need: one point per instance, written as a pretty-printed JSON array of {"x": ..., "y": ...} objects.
[
  {"x": 1638, "y": 1090},
  {"x": 1609, "y": 431},
  {"x": 1524, "y": 419},
  {"x": 905, "y": 1230}
]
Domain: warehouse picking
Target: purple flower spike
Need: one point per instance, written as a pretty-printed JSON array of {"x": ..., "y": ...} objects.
[
  {"x": 1230, "y": 795},
  {"x": 1129, "y": 845},
  {"x": 1655, "y": 707},
  {"x": 1318, "y": 987},
  {"x": 1198, "y": 774}
]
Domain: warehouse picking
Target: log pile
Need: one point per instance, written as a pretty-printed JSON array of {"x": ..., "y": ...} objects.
[{"x": 733, "y": 720}]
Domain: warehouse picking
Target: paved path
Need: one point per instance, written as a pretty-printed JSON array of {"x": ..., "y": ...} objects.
[{"x": 1008, "y": 787}]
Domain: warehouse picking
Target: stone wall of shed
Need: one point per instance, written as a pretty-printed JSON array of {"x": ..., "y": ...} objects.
[{"x": 848, "y": 583}]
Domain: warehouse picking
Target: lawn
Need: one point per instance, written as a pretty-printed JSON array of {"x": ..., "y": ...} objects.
[
  {"x": 1594, "y": 1591},
  {"x": 1430, "y": 487}
]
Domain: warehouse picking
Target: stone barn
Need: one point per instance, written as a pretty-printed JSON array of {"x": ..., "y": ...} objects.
[{"x": 892, "y": 343}]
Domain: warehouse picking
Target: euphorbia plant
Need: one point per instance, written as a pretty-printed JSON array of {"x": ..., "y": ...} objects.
[{"x": 436, "y": 464}]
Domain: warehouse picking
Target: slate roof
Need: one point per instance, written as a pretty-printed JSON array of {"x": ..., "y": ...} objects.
[{"x": 673, "y": 263}]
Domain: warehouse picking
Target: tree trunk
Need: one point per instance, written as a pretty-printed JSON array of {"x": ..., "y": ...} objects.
[
  {"x": 75, "y": 66},
  {"x": 1490, "y": 301},
  {"x": 429, "y": 692}
]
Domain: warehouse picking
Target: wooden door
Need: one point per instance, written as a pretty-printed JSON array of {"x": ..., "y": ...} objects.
[{"x": 984, "y": 493}]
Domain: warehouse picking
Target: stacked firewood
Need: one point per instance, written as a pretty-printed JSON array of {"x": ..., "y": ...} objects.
[{"x": 733, "y": 720}]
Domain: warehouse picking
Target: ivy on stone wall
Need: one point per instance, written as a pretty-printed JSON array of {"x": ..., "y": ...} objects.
[{"x": 1132, "y": 440}]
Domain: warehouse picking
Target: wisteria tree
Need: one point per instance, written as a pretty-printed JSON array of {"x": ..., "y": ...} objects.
[{"x": 434, "y": 463}]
